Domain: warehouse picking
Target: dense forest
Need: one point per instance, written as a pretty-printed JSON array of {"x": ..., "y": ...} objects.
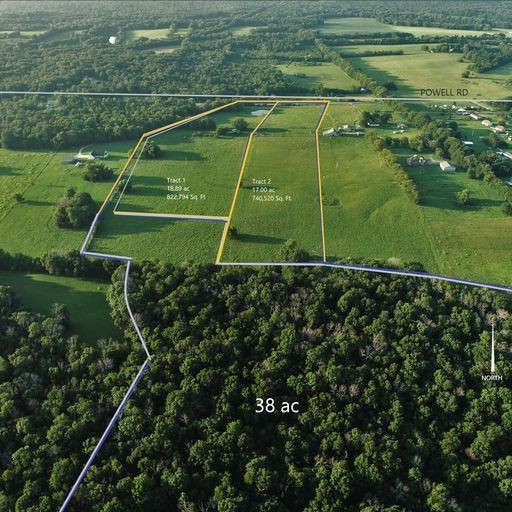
[{"x": 392, "y": 412}]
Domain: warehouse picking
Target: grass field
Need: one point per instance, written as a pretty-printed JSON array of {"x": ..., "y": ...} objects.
[
  {"x": 28, "y": 227},
  {"x": 371, "y": 25},
  {"x": 25, "y": 33},
  {"x": 475, "y": 242},
  {"x": 413, "y": 72},
  {"x": 150, "y": 33},
  {"x": 408, "y": 49},
  {"x": 204, "y": 168},
  {"x": 352, "y": 26},
  {"x": 367, "y": 215},
  {"x": 165, "y": 49},
  {"x": 164, "y": 239},
  {"x": 85, "y": 299},
  {"x": 242, "y": 31},
  {"x": 325, "y": 73},
  {"x": 61, "y": 36},
  {"x": 282, "y": 161}
]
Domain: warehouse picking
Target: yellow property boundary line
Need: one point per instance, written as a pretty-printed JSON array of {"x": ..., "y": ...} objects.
[
  {"x": 153, "y": 132},
  {"x": 240, "y": 175},
  {"x": 320, "y": 192},
  {"x": 227, "y": 219}
]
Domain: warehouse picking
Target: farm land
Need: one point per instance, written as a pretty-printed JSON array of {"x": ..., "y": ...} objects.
[{"x": 367, "y": 216}]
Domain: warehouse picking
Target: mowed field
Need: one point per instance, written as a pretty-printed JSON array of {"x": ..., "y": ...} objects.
[
  {"x": 168, "y": 240},
  {"x": 28, "y": 227},
  {"x": 408, "y": 49},
  {"x": 203, "y": 169},
  {"x": 416, "y": 71},
  {"x": 278, "y": 199},
  {"x": 371, "y": 25},
  {"x": 366, "y": 214},
  {"x": 242, "y": 31},
  {"x": 475, "y": 242},
  {"x": 325, "y": 73},
  {"x": 40, "y": 291},
  {"x": 153, "y": 33}
]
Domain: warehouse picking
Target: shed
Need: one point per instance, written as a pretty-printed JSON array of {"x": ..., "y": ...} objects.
[
  {"x": 446, "y": 166},
  {"x": 331, "y": 132}
]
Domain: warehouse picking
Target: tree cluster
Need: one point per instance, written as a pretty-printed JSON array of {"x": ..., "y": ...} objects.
[
  {"x": 97, "y": 171},
  {"x": 399, "y": 173},
  {"x": 75, "y": 210}
]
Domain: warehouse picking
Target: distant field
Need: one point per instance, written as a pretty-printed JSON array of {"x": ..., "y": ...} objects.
[
  {"x": 165, "y": 49},
  {"x": 28, "y": 227},
  {"x": 25, "y": 33},
  {"x": 242, "y": 31},
  {"x": 164, "y": 239},
  {"x": 428, "y": 31},
  {"x": 367, "y": 215},
  {"x": 150, "y": 33},
  {"x": 324, "y": 73},
  {"x": 85, "y": 299},
  {"x": 408, "y": 49},
  {"x": 352, "y": 26},
  {"x": 205, "y": 169},
  {"x": 413, "y": 72},
  {"x": 286, "y": 206},
  {"x": 371, "y": 25},
  {"x": 61, "y": 36}
]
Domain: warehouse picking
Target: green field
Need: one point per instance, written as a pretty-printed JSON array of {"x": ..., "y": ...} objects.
[
  {"x": 408, "y": 49},
  {"x": 366, "y": 214},
  {"x": 150, "y": 33},
  {"x": 85, "y": 300},
  {"x": 24, "y": 33},
  {"x": 475, "y": 242},
  {"x": 371, "y": 25},
  {"x": 28, "y": 227},
  {"x": 413, "y": 72},
  {"x": 164, "y": 239},
  {"x": 283, "y": 159},
  {"x": 204, "y": 169},
  {"x": 165, "y": 49},
  {"x": 325, "y": 73},
  {"x": 438, "y": 31},
  {"x": 154, "y": 33},
  {"x": 352, "y": 26},
  {"x": 61, "y": 36},
  {"x": 242, "y": 31}
]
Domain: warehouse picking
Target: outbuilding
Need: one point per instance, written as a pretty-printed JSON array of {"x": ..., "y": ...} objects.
[
  {"x": 331, "y": 132},
  {"x": 446, "y": 166}
]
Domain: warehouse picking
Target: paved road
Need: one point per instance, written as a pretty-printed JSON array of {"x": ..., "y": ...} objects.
[{"x": 242, "y": 96}]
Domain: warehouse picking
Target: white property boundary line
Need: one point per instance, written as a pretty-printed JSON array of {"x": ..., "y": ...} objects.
[
  {"x": 127, "y": 395},
  {"x": 375, "y": 270},
  {"x": 249, "y": 96}
]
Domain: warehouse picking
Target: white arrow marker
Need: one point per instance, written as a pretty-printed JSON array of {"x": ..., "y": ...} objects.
[{"x": 493, "y": 365}]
